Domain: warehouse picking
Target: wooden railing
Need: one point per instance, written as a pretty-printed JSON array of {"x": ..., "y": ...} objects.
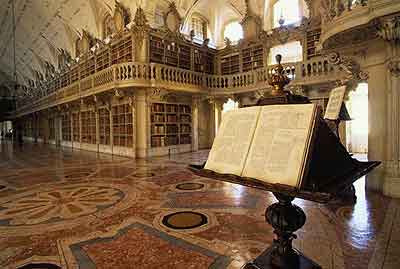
[{"x": 158, "y": 75}]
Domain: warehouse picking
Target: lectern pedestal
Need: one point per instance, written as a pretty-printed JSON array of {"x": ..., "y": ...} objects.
[{"x": 285, "y": 218}]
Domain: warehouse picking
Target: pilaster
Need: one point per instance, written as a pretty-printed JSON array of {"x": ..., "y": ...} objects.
[
  {"x": 195, "y": 123},
  {"x": 141, "y": 123}
]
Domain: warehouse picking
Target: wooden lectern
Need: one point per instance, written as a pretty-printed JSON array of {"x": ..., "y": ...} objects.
[{"x": 331, "y": 170}]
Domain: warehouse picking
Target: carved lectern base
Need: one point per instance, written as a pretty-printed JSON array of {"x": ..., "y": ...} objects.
[
  {"x": 264, "y": 261},
  {"x": 285, "y": 218}
]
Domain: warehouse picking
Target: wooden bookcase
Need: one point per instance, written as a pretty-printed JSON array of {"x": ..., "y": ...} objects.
[
  {"x": 103, "y": 59},
  {"x": 184, "y": 52},
  {"x": 252, "y": 57},
  {"x": 203, "y": 61},
  {"x": 312, "y": 41},
  {"x": 66, "y": 127},
  {"x": 121, "y": 51},
  {"x": 75, "y": 126},
  {"x": 88, "y": 119},
  {"x": 170, "y": 53},
  {"x": 104, "y": 126},
  {"x": 65, "y": 79},
  {"x": 171, "y": 124},
  {"x": 122, "y": 125},
  {"x": 87, "y": 68},
  {"x": 178, "y": 53},
  {"x": 156, "y": 49},
  {"x": 74, "y": 73},
  {"x": 230, "y": 64},
  {"x": 52, "y": 129}
]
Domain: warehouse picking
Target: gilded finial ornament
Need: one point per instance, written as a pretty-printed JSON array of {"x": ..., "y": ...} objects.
[{"x": 278, "y": 80}]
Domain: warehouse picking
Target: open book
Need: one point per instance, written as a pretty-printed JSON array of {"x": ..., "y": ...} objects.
[
  {"x": 268, "y": 143},
  {"x": 335, "y": 103}
]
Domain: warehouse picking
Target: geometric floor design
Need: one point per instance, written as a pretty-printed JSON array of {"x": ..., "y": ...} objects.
[{"x": 77, "y": 209}]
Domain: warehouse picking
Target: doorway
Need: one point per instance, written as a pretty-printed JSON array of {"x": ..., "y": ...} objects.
[{"x": 357, "y": 128}]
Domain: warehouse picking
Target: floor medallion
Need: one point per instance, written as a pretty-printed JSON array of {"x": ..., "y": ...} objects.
[{"x": 184, "y": 220}]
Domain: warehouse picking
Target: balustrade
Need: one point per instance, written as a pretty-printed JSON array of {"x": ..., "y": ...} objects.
[{"x": 145, "y": 74}]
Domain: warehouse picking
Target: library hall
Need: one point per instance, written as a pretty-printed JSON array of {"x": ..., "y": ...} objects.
[{"x": 200, "y": 134}]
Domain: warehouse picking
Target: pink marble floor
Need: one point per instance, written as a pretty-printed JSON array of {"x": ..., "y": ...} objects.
[{"x": 78, "y": 209}]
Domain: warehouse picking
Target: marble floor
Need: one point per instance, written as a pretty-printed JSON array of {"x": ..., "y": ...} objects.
[{"x": 74, "y": 209}]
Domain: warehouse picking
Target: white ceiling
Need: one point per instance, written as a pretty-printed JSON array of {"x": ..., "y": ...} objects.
[{"x": 43, "y": 26}]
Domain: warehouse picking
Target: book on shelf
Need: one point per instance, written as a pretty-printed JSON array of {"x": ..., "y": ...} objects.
[
  {"x": 335, "y": 103},
  {"x": 267, "y": 143}
]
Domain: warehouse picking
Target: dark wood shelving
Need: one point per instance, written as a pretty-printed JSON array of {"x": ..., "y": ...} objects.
[
  {"x": 166, "y": 125},
  {"x": 122, "y": 125},
  {"x": 66, "y": 127}
]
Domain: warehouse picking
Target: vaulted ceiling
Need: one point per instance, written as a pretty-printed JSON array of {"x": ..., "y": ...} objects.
[{"x": 45, "y": 26}]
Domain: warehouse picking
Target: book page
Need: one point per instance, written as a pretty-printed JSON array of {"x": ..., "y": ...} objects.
[
  {"x": 232, "y": 142},
  {"x": 280, "y": 143},
  {"x": 335, "y": 103}
]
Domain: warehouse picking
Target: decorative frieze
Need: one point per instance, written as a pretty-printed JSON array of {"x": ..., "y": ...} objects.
[
  {"x": 394, "y": 67},
  {"x": 389, "y": 29},
  {"x": 349, "y": 66}
]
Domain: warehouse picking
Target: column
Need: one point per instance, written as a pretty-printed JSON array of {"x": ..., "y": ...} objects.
[
  {"x": 141, "y": 123},
  {"x": 215, "y": 117},
  {"x": 384, "y": 121},
  {"x": 377, "y": 123},
  {"x": 96, "y": 113},
  {"x": 195, "y": 123}
]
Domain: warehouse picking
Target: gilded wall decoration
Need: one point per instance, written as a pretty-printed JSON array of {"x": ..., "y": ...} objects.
[
  {"x": 172, "y": 19},
  {"x": 121, "y": 17}
]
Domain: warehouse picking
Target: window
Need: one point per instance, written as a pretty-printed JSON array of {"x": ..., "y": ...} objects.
[
  {"x": 230, "y": 105},
  {"x": 288, "y": 10},
  {"x": 233, "y": 31},
  {"x": 291, "y": 52},
  {"x": 199, "y": 26}
]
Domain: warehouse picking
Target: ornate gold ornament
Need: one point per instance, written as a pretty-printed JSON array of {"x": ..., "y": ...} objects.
[
  {"x": 172, "y": 19},
  {"x": 121, "y": 17},
  {"x": 140, "y": 27},
  {"x": 278, "y": 80}
]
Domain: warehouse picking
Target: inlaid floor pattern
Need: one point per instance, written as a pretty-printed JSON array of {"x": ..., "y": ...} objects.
[{"x": 75, "y": 209}]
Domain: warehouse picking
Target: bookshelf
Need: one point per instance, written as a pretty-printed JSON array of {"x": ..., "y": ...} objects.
[
  {"x": 74, "y": 74},
  {"x": 312, "y": 41},
  {"x": 156, "y": 49},
  {"x": 252, "y": 57},
  {"x": 178, "y": 53},
  {"x": 184, "y": 56},
  {"x": 104, "y": 126},
  {"x": 87, "y": 68},
  {"x": 52, "y": 129},
  {"x": 122, "y": 125},
  {"x": 41, "y": 128},
  {"x": 203, "y": 61},
  {"x": 171, "y": 124},
  {"x": 75, "y": 127},
  {"x": 170, "y": 53},
  {"x": 66, "y": 127},
  {"x": 103, "y": 60},
  {"x": 121, "y": 51},
  {"x": 230, "y": 64},
  {"x": 65, "y": 80},
  {"x": 88, "y": 119}
]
